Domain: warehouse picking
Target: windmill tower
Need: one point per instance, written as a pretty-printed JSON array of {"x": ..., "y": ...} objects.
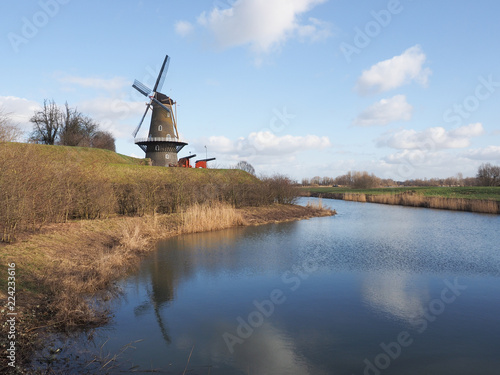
[{"x": 162, "y": 143}]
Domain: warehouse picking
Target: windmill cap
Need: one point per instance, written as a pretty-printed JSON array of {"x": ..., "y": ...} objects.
[{"x": 164, "y": 99}]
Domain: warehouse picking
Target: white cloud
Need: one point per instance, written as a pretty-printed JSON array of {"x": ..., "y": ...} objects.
[
  {"x": 113, "y": 113},
  {"x": 268, "y": 143},
  {"x": 262, "y": 146},
  {"x": 316, "y": 31},
  {"x": 414, "y": 157},
  {"x": 220, "y": 143},
  {"x": 392, "y": 294},
  {"x": 486, "y": 153},
  {"x": 110, "y": 84},
  {"x": 395, "y": 72},
  {"x": 184, "y": 28},
  {"x": 262, "y": 24},
  {"x": 113, "y": 108},
  {"x": 431, "y": 138},
  {"x": 385, "y": 111},
  {"x": 20, "y": 110}
]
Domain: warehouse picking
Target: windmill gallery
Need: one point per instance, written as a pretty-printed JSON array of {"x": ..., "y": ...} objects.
[{"x": 163, "y": 142}]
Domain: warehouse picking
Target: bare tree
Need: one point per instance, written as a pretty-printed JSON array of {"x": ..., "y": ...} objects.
[
  {"x": 77, "y": 129},
  {"x": 68, "y": 127},
  {"x": 103, "y": 139},
  {"x": 46, "y": 123},
  {"x": 363, "y": 180},
  {"x": 326, "y": 181},
  {"x": 245, "y": 166},
  {"x": 9, "y": 132},
  {"x": 488, "y": 175},
  {"x": 316, "y": 180},
  {"x": 70, "y": 134}
]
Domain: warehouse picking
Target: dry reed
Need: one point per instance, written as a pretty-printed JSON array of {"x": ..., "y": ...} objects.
[
  {"x": 417, "y": 200},
  {"x": 318, "y": 205},
  {"x": 210, "y": 217}
]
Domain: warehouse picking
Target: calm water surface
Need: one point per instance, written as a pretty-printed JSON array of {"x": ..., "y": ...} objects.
[{"x": 374, "y": 290}]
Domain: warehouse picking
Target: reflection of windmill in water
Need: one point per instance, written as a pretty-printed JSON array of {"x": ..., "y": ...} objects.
[
  {"x": 169, "y": 269},
  {"x": 165, "y": 277},
  {"x": 162, "y": 143}
]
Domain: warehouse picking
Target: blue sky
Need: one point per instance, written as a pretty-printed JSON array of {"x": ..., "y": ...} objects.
[{"x": 404, "y": 89}]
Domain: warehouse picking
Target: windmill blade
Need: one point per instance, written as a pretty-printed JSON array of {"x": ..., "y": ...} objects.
[
  {"x": 139, "y": 126},
  {"x": 162, "y": 74},
  {"x": 174, "y": 120},
  {"x": 142, "y": 88},
  {"x": 161, "y": 104}
]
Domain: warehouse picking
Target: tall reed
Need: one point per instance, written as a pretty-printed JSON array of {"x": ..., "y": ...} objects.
[
  {"x": 210, "y": 217},
  {"x": 417, "y": 200}
]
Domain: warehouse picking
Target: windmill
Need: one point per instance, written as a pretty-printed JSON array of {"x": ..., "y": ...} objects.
[{"x": 162, "y": 143}]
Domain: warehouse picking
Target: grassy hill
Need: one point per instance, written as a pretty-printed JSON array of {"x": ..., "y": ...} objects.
[
  {"x": 42, "y": 184},
  {"x": 118, "y": 167}
]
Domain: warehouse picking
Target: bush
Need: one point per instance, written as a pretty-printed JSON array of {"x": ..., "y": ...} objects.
[
  {"x": 280, "y": 189},
  {"x": 488, "y": 175},
  {"x": 36, "y": 190}
]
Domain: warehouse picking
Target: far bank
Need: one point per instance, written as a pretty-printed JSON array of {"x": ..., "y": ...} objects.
[{"x": 471, "y": 199}]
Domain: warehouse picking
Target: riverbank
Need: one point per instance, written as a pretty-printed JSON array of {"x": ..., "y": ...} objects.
[
  {"x": 67, "y": 272},
  {"x": 471, "y": 199}
]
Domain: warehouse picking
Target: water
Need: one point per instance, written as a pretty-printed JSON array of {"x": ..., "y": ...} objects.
[{"x": 374, "y": 290}]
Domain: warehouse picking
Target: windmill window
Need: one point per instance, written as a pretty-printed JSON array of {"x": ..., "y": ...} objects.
[
  {"x": 160, "y": 128},
  {"x": 167, "y": 156},
  {"x": 157, "y": 148},
  {"x": 168, "y": 136}
]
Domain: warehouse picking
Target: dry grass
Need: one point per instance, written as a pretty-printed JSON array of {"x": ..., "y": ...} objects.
[
  {"x": 315, "y": 205},
  {"x": 210, "y": 217},
  {"x": 283, "y": 213},
  {"x": 417, "y": 200}
]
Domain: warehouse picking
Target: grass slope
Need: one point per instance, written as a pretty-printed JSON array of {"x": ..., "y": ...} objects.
[
  {"x": 74, "y": 154},
  {"x": 124, "y": 169}
]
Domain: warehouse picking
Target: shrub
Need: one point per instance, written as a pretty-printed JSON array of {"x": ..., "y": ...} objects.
[{"x": 36, "y": 190}]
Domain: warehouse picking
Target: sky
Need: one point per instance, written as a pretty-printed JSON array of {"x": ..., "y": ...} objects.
[{"x": 402, "y": 89}]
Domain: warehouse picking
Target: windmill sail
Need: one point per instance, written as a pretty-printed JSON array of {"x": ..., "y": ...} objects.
[
  {"x": 162, "y": 74},
  {"x": 139, "y": 126},
  {"x": 142, "y": 88}
]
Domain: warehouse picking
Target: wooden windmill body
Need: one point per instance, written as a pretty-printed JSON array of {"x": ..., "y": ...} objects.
[{"x": 162, "y": 143}]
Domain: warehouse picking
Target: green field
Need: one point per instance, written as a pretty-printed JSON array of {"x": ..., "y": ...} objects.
[{"x": 473, "y": 192}]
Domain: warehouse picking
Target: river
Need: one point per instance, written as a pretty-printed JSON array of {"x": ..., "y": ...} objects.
[{"x": 376, "y": 289}]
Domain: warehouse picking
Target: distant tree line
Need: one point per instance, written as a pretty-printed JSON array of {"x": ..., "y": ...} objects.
[
  {"x": 354, "y": 179},
  {"x": 487, "y": 175}
]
